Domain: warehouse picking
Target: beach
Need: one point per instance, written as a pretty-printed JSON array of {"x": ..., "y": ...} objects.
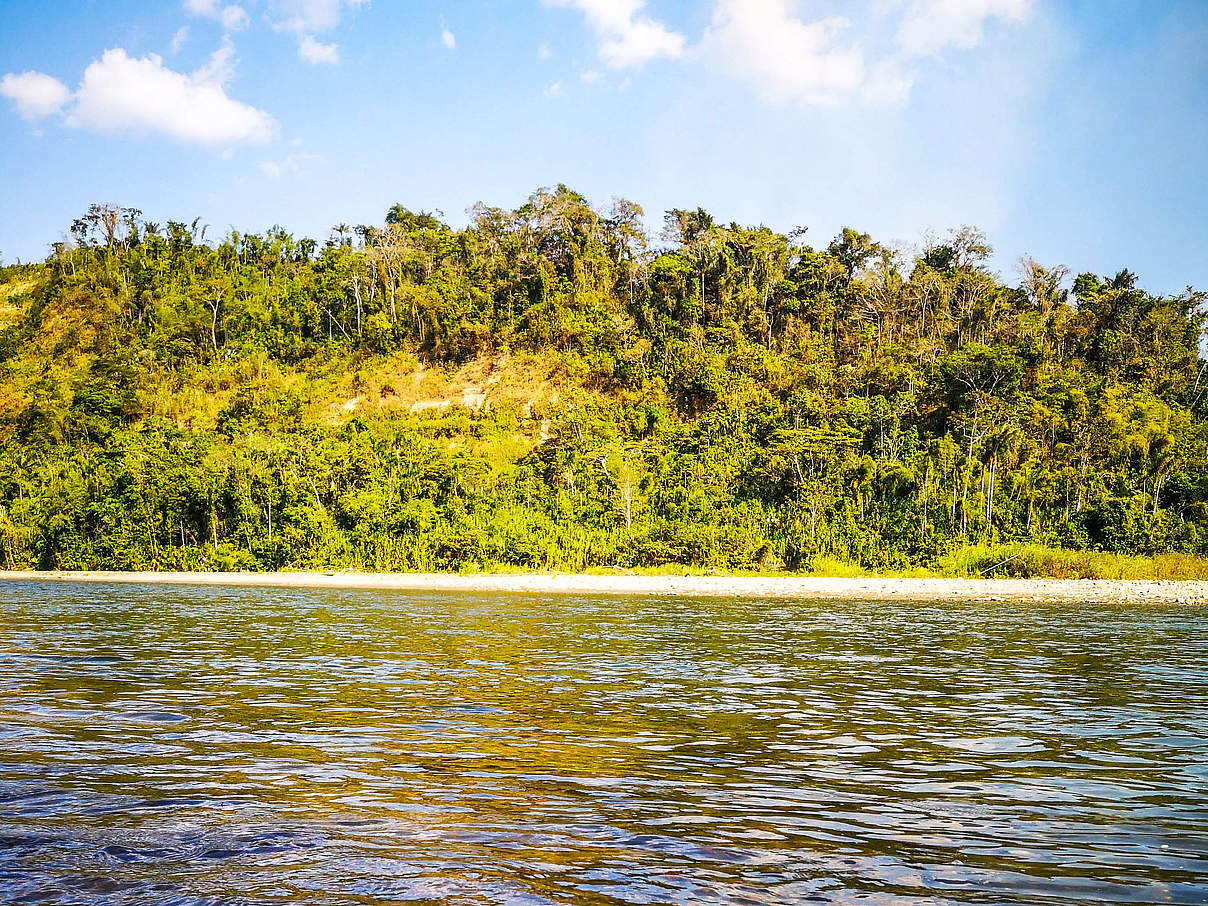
[{"x": 779, "y": 587}]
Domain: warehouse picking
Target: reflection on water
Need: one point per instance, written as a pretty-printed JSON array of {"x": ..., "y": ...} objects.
[{"x": 271, "y": 746}]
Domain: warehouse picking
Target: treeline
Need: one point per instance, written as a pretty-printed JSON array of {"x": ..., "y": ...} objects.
[{"x": 733, "y": 397}]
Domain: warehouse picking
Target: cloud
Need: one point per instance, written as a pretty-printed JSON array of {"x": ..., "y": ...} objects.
[
  {"x": 789, "y": 59},
  {"x": 220, "y": 66},
  {"x": 232, "y": 17},
  {"x": 314, "y": 51},
  {"x": 626, "y": 37},
  {"x": 290, "y": 165},
  {"x": 313, "y": 16},
  {"x": 888, "y": 82},
  {"x": 307, "y": 18},
  {"x": 179, "y": 39},
  {"x": 120, "y": 94},
  {"x": 931, "y": 25},
  {"x": 554, "y": 90},
  {"x": 123, "y": 94},
  {"x": 786, "y": 59},
  {"x": 448, "y": 39},
  {"x": 35, "y": 94}
]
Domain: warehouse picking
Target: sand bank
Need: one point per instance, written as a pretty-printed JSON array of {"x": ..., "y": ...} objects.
[{"x": 876, "y": 589}]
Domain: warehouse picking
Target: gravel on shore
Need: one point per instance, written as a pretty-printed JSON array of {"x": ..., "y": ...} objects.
[{"x": 875, "y": 589}]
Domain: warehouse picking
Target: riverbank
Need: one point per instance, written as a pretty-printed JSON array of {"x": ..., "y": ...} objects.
[{"x": 865, "y": 588}]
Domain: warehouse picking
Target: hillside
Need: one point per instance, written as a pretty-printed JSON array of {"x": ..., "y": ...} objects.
[{"x": 549, "y": 389}]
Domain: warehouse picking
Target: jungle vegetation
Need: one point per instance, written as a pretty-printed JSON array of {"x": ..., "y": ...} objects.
[{"x": 552, "y": 387}]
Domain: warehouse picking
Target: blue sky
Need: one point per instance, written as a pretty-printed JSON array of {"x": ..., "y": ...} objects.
[{"x": 1074, "y": 131}]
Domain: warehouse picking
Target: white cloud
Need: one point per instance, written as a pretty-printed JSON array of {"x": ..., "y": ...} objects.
[
  {"x": 311, "y": 16},
  {"x": 221, "y": 65},
  {"x": 889, "y": 82},
  {"x": 625, "y": 36},
  {"x": 448, "y": 39},
  {"x": 645, "y": 40},
  {"x": 931, "y": 25},
  {"x": 554, "y": 90},
  {"x": 233, "y": 18},
  {"x": 789, "y": 59},
  {"x": 179, "y": 39},
  {"x": 313, "y": 51},
  {"x": 123, "y": 94},
  {"x": 786, "y": 59},
  {"x": 543, "y": 51},
  {"x": 290, "y": 165},
  {"x": 306, "y": 18},
  {"x": 35, "y": 94}
]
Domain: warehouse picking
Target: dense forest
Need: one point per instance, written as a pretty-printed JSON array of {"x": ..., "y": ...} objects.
[{"x": 554, "y": 387}]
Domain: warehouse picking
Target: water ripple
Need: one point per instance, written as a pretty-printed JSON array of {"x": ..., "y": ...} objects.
[{"x": 242, "y": 746}]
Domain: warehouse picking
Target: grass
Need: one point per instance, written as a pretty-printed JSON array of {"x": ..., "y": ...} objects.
[
  {"x": 1032, "y": 561},
  {"x": 1020, "y": 561}
]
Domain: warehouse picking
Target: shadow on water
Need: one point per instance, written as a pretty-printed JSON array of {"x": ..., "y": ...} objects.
[{"x": 206, "y": 745}]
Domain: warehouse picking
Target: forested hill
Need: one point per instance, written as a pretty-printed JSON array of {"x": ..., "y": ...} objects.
[{"x": 549, "y": 388}]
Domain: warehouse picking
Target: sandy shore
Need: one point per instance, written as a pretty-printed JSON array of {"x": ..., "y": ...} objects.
[{"x": 693, "y": 586}]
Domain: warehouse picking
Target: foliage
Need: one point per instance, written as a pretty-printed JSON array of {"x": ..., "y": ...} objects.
[
  {"x": 1023, "y": 560},
  {"x": 725, "y": 398}
]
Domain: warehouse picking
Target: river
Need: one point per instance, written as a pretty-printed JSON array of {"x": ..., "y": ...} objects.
[{"x": 247, "y": 746}]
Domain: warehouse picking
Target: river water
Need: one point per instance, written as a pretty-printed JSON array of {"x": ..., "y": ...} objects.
[{"x": 230, "y": 746}]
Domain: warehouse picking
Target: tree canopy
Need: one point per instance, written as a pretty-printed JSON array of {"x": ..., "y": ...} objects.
[{"x": 720, "y": 396}]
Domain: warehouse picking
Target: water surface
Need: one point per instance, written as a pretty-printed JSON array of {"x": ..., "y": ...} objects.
[{"x": 231, "y": 746}]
